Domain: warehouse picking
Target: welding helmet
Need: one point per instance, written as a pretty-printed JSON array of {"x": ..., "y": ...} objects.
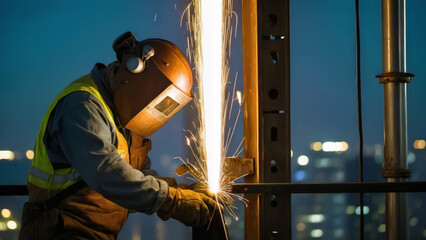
[{"x": 151, "y": 85}]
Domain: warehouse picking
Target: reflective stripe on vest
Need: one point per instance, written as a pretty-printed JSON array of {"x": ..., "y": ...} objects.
[
  {"x": 42, "y": 173},
  {"x": 57, "y": 178}
]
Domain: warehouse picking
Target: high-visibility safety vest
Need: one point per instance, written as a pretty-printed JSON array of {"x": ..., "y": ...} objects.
[
  {"x": 85, "y": 214},
  {"x": 42, "y": 174}
]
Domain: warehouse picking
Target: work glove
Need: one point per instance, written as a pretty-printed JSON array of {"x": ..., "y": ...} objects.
[
  {"x": 189, "y": 207},
  {"x": 221, "y": 197},
  {"x": 198, "y": 187},
  {"x": 170, "y": 181}
]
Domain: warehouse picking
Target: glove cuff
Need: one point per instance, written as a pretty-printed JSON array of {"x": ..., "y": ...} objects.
[{"x": 168, "y": 207}]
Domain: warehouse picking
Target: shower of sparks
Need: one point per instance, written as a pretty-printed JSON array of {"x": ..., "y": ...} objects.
[
  {"x": 211, "y": 87},
  {"x": 209, "y": 45}
]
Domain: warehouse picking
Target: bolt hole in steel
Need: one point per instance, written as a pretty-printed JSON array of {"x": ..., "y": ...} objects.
[
  {"x": 274, "y": 37},
  {"x": 274, "y": 167},
  {"x": 274, "y": 134},
  {"x": 273, "y": 93},
  {"x": 275, "y": 57},
  {"x": 274, "y": 200},
  {"x": 272, "y": 19}
]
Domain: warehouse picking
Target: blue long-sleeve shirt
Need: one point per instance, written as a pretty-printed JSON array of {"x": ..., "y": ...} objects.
[{"x": 80, "y": 134}]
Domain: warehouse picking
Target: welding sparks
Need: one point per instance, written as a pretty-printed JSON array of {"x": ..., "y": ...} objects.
[
  {"x": 211, "y": 87},
  {"x": 239, "y": 98},
  {"x": 208, "y": 22}
]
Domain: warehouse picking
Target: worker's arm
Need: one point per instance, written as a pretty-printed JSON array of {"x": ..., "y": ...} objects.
[
  {"x": 139, "y": 158},
  {"x": 146, "y": 170},
  {"x": 87, "y": 140}
]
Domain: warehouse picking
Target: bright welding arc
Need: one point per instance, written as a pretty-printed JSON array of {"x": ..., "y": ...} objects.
[{"x": 211, "y": 75}]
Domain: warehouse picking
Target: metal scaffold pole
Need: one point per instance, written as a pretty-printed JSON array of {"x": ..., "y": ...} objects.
[
  {"x": 394, "y": 79},
  {"x": 266, "y": 60}
]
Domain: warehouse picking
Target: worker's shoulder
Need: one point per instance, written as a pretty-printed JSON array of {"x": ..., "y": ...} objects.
[{"x": 78, "y": 99}]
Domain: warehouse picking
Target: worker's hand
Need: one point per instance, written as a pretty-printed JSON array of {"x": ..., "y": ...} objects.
[
  {"x": 170, "y": 181},
  {"x": 198, "y": 187},
  {"x": 221, "y": 198},
  {"x": 189, "y": 207}
]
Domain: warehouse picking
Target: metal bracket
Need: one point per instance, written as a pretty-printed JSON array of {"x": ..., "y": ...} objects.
[
  {"x": 233, "y": 168},
  {"x": 395, "y": 77},
  {"x": 237, "y": 167}
]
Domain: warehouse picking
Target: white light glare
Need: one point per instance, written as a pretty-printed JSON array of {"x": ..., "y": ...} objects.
[
  {"x": 316, "y": 233},
  {"x": 211, "y": 75},
  {"x": 335, "y": 146},
  {"x": 12, "y": 225},
  {"x": 7, "y": 155},
  {"x": 316, "y": 218},
  {"x": 303, "y": 160}
]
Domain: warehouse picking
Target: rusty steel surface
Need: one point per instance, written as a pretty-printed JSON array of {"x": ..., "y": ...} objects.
[
  {"x": 251, "y": 112},
  {"x": 236, "y": 167},
  {"x": 183, "y": 169},
  {"x": 267, "y": 114}
]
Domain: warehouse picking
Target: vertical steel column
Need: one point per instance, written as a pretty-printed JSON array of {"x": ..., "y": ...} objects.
[
  {"x": 395, "y": 82},
  {"x": 267, "y": 114}
]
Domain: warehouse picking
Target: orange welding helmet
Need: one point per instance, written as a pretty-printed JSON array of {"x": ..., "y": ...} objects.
[{"x": 151, "y": 85}]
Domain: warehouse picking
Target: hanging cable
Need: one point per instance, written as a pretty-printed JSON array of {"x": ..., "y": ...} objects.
[{"x": 361, "y": 140}]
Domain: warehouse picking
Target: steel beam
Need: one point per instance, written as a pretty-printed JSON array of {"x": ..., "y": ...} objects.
[
  {"x": 251, "y": 112},
  {"x": 348, "y": 187},
  {"x": 266, "y": 114}
]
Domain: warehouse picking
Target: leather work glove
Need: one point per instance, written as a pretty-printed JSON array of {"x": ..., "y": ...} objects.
[
  {"x": 170, "y": 181},
  {"x": 189, "y": 207},
  {"x": 202, "y": 188},
  {"x": 198, "y": 187}
]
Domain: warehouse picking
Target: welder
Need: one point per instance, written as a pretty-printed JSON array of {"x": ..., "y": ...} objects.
[{"x": 91, "y": 165}]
